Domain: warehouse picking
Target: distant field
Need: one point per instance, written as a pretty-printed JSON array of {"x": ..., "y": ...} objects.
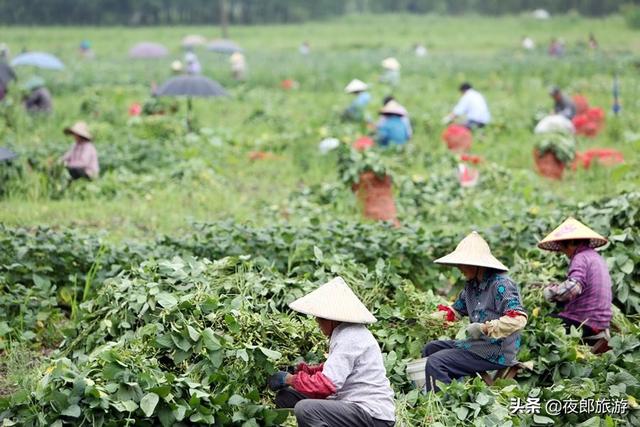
[{"x": 260, "y": 115}]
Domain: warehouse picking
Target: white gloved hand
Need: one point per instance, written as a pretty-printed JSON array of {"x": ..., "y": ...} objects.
[
  {"x": 548, "y": 295},
  {"x": 438, "y": 315},
  {"x": 474, "y": 331},
  {"x": 447, "y": 119}
]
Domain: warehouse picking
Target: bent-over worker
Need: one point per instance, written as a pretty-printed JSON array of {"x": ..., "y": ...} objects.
[
  {"x": 351, "y": 387},
  {"x": 393, "y": 128},
  {"x": 585, "y": 296},
  {"x": 356, "y": 110},
  {"x": 82, "y": 159},
  {"x": 562, "y": 104},
  {"x": 472, "y": 106}
]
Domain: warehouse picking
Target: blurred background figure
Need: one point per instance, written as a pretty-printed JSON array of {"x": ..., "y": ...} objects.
[
  {"x": 391, "y": 74},
  {"x": 356, "y": 111},
  {"x": 392, "y": 128},
  {"x": 82, "y": 158},
  {"x": 593, "y": 43},
  {"x": 405, "y": 115},
  {"x": 176, "y": 67},
  {"x": 528, "y": 43},
  {"x": 6, "y": 76},
  {"x": 420, "y": 50},
  {"x": 85, "y": 50},
  {"x": 238, "y": 66},
  {"x": 562, "y": 104},
  {"x": 192, "y": 63},
  {"x": 38, "y": 98},
  {"x": 305, "y": 48},
  {"x": 472, "y": 106},
  {"x": 4, "y": 52},
  {"x": 556, "y": 48}
]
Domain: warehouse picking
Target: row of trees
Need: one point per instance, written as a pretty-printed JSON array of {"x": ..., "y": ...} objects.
[{"x": 167, "y": 12}]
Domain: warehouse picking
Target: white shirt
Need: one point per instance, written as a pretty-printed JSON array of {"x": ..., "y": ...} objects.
[
  {"x": 473, "y": 105},
  {"x": 528, "y": 43},
  {"x": 355, "y": 367}
]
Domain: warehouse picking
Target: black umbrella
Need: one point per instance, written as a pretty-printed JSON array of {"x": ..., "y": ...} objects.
[
  {"x": 6, "y": 154},
  {"x": 6, "y": 73},
  {"x": 191, "y": 86}
]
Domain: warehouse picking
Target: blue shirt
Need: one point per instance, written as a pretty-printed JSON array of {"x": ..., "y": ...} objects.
[
  {"x": 486, "y": 300},
  {"x": 356, "y": 109},
  {"x": 392, "y": 131}
]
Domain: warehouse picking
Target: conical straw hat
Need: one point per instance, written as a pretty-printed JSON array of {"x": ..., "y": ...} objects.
[
  {"x": 356, "y": 86},
  {"x": 81, "y": 129},
  {"x": 571, "y": 229},
  {"x": 176, "y": 66},
  {"x": 334, "y": 301},
  {"x": 393, "y": 107},
  {"x": 472, "y": 250},
  {"x": 391, "y": 64}
]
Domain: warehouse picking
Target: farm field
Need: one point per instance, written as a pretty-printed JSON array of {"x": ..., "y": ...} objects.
[{"x": 157, "y": 294}]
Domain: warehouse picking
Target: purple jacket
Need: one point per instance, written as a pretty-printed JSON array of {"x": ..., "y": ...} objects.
[{"x": 593, "y": 305}]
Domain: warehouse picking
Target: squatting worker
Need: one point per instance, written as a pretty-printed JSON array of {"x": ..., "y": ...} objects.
[
  {"x": 393, "y": 128},
  {"x": 585, "y": 295},
  {"x": 356, "y": 111},
  {"x": 82, "y": 159},
  {"x": 562, "y": 104},
  {"x": 38, "y": 99},
  {"x": 492, "y": 302},
  {"x": 472, "y": 106},
  {"x": 351, "y": 387}
]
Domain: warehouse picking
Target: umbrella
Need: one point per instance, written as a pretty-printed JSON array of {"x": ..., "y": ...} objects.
[
  {"x": 6, "y": 73},
  {"x": 6, "y": 154},
  {"x": 191, "y": 86},
  {"x": 193, "y": 40},
  {"x": 148, "y": 50},
  {"x": 38, "y": 59},
  {"x": 223, "y": 46}
]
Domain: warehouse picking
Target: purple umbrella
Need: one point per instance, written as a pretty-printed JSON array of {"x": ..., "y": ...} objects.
[{"x": 148, "y": 50}]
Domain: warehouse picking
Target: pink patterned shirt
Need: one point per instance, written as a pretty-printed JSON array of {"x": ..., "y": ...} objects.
[
  {"x": 593, "y": 305},
  {"x": 83, "y": 155}
]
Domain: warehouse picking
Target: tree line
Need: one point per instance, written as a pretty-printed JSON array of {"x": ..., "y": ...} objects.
[{"x": 188, "y": 12}]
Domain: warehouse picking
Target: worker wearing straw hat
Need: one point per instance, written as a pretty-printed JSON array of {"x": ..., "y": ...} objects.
[
  {"x": 391, "y": 74},
  {"x": 585, "y": 296},
  {"x": 351, "y": 387},
  {"x": 238, "y": 66},
  {"x": 356, "y": 110},
  {"x": 492, "y": 302},
  {"x": 393, "y": 128},
  {"x": 82, "y": 159}
]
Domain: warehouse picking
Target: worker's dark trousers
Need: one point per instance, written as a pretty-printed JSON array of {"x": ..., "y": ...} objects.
[
  {"x": 446, "y": 362},
  {"x": 326, "y": 413}
]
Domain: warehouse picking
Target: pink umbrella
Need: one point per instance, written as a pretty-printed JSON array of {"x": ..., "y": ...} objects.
[{"x": 148, "y": 50}]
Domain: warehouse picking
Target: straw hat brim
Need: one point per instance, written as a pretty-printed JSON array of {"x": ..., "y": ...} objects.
[
  {"x": 334, "y": 301},
  {"x": 473, "y": 250},
  {"x": 571, "y": 229},
  {"x": 463, "y": 259},
  {"x": 356, "y": 86},
  {"x": 79, "y": 129},
  {"x": 393, "y": 107},
  {"x": 391, "y": 64}
]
